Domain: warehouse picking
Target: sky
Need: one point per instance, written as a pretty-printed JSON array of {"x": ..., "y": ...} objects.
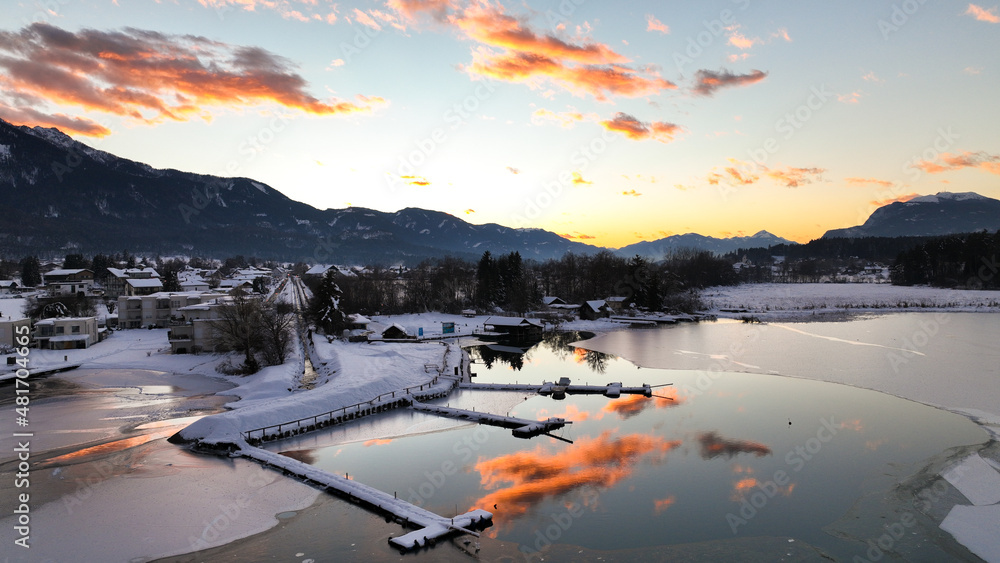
[{"x": 606, "y": 122}]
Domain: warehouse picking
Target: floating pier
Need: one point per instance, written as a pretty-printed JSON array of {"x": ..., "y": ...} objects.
[
  {"x": 431, "y": 527},
  {"x": 561, "y": 388},
  {"x": 520, "y": 427}
]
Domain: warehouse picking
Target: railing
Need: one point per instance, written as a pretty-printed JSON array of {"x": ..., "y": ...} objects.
[{"x": 328, "y": 418}]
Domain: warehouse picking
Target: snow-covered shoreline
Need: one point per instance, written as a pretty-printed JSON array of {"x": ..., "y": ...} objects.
[{"x": 816, "y": 301}]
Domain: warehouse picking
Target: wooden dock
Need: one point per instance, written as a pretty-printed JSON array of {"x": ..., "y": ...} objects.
[
  {"x": 430, "y": 527},
  {"x": 558, "y": 390},
  {"x": 519, "y": 427}
]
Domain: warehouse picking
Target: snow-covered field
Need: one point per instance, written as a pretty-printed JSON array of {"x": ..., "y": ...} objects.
[{"x": 792, "y": 300}]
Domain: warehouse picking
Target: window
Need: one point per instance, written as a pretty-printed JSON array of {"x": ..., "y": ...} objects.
[
  {"x": 76, "y": 329},
  {"x": 60, "y": 329}
]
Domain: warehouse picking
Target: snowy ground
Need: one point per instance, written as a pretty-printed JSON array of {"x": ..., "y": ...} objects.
[{"x": 777, "y": 301}]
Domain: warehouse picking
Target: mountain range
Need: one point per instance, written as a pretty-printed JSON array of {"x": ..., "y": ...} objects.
[
  {"x": 941, "y": 214},
  {"x": 62, "y": 196}
]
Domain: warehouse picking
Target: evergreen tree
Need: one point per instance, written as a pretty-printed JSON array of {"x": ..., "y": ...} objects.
[
  {"x": 170, "y": 281},
  {"x": 75, "y": 261},
  {"x": 31, "y": 274},
  {"x": 324, "y": 307}
]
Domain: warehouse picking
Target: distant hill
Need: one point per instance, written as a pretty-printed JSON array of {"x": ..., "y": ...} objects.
[
  {"x": 63, "y": 196},
  {"x": 942, "y": 214},
  {"x": 657, "y": 249}
]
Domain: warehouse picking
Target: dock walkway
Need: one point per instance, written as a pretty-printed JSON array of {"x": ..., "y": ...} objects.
[
  {"x": 520, "y": 427},
  {"x": 430, "y": 526}
]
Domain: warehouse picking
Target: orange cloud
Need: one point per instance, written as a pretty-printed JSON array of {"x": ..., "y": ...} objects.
[
  {"x": 631, "y": 405},
  {"x": 983, "y": 14},
  {"x": 794, "y": 177},
  {"x": 578, "y": 179},
  {"x": 513, "y": 170},
  {"x": 902, "y": 198},
  {"x": 653, "y": 24},
  {"x": 659, "y": 505},
  {"x": 713, "y": 445},
  {"x": 416, "y": 180},
  {"x": 632, "y": 193},
  {"x": 377, "y": 442},
  {"x": 565, "y": 119},
  {"x": 65, "y": 123},
  {"x": 522, "y": 479},
  {"x": 740, "y": 173},
  {"x": 469, "y": 211},
  {"x": 986, "y": 162},
  {"x": 707, "y": 81},
  {"x": 866, "y": 181},
  {"x": 313, "y": 10},
  {"x": 638, "y": 130},
  {"x": 151, "y": 77},
  {"x": 510, "y": 50},
  {"x": 852, "y": 98}
]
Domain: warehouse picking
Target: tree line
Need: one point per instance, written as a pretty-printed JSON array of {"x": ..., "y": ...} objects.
[{"x": 957, "y": 261}]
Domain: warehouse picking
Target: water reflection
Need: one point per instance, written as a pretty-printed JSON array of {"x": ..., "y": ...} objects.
[
  {"x": 514, "y": 354},
  {"x": 520, "y": 480},
  {"x": 713, "y": 445}
]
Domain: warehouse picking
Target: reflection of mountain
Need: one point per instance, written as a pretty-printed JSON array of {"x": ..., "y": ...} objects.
[
  {"x": 523, "y": 479},
  {"x": 713, "y": 445}
]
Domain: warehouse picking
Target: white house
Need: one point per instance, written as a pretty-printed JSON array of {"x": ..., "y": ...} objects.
[{"x": 66, "y": 333}]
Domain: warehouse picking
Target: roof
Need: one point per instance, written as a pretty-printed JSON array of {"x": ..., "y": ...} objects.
[
  {"x": 69, "y": 337},
  {"x": 65, "y": 272},
  {"x": 358, "y": 319},
  {"x": 596, "y": 304},
  {"x": 129, "y": 272},
  {"x": 392, "y": 326},
  {"x": 144, "y": 282},
  {"x": 318, "y": 270},
  {"x": 8, "y": 283},
  {"x": 550, "y": 299},
  {"x": 511, "y": 321},
  {"x": 189, "y": 283},
  {"x": 616, "y": 299}
]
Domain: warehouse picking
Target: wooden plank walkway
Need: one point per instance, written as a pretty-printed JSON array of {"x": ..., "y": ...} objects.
[
  {"x": 563, "y": 388},
  {"x": 430, "y": 527},
  {"x": 520, "y": 427}
]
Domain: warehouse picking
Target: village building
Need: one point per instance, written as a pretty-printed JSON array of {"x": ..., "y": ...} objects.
[
  {"x": 10, "y": 329},
  {"x": 595, "y": 309},
  {"x": 158, "y": 309},
  {"x": 8, "y": 287},
  {"x": 116, "y": 284},
  {"x": 66, "y": 333},
  {"x": 194, "y": 332},
  {"x": 61, "y": 281},
  {"x": 514, "y": 328}
]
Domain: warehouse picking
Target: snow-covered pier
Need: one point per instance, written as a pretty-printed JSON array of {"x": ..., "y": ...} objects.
[
  {"x": 563, "y": 387},
  {"x": 430, "y": 527},
  {"x": 520, "y": 427}
]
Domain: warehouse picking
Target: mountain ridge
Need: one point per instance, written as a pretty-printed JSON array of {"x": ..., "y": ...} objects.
[{"x": 943, "y": 213}]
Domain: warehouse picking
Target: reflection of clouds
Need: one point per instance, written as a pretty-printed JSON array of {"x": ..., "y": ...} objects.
[
  {"x": 632, "y": 405},
  {"x": 377, "y": 442},
  {"x": 747, "y": 485},
  {"x": 659, "y": 505},
  {"x": 530, "y": 477},
  {"x": 713, "y": 445},
  {"x": 854, "y": 424},
  {"x": 305, "y": 456},
  {"x": 573, "y": 413}
]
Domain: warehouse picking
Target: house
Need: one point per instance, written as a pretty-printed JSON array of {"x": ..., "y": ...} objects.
[
  {"x": 194, "y": 284},
  {"x": 516, "y": 328},
  {"x": 394, "y": 332},
  {"x": 616, "y": 304},
  {"x": 10, "y": 329},
  {"x": 595, "y": 309},
  {"x": 61, "y": 281},
  {"x": 358, "y": 322},
  {"x": 195, "y": 331},
  {"x": 66, "y": 333},
  {"x": 142, "y": 286},
  {"x": 232, "y": 285},
  {"x": 552, "y": 301},
  {"x": 158, "y": 309},
  {"x": 115, "y": 285},
  {"x": 9, "y": 286}
]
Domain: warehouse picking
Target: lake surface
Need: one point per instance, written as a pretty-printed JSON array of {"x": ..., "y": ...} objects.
[{"x": 730, "y": 462}]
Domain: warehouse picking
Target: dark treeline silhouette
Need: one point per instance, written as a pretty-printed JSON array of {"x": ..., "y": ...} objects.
[{"x": 959, "y": 261}]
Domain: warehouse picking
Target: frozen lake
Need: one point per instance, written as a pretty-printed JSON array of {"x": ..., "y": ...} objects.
[{"x": 731, "y": 462}]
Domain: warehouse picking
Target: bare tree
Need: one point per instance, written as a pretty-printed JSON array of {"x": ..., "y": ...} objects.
[
  {"x": 276, "y": 332},
  {"x": 239, "y": 328}
]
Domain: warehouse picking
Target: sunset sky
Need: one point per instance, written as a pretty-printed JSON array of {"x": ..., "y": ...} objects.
[{"x": 609, "y": 123}]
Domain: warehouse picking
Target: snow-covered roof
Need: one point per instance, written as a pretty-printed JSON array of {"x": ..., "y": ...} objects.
[
  {"x": 8, "y": 283},
  {"x": 358, "y": 319},
  {"x": 596, "y": 304},
  {"x": 550, "y": 299},
  {"x": 69, "y": 337},
  {"x": 511, "y": 321},
  {"x": 133, "y": 272},
  {"x": 144, "y": 282},
  {"x": 191, "y": 283},
  {"x": 318, "y": 270},
  {"x": 617, "y": 299},
  {"x": 65, "y": 272}
]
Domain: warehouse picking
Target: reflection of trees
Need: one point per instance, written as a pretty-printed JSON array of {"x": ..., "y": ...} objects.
[
  {"x": 489, "y": 356},
  {"x": 559, "y": 341},
  {"x": 598, "y": 361}
]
